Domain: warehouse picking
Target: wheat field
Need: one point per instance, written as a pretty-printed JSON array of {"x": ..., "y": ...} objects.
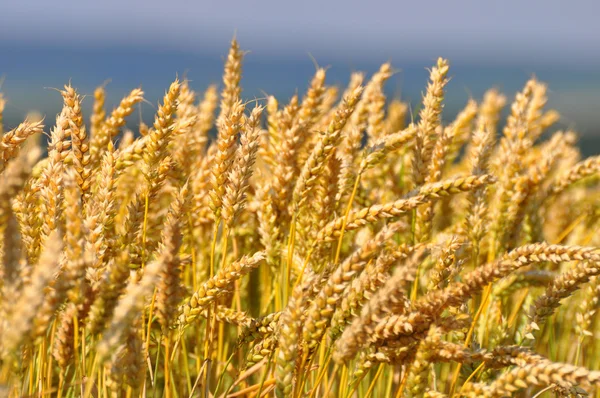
[{"x": 335, "y": 244}]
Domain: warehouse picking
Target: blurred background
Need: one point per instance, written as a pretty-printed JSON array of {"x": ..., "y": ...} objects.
[{"x": 44, "y": 44}]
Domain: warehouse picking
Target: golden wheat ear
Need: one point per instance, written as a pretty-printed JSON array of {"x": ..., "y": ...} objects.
[
  {"x": 106, "y": 130},
  {"x": 21, "y": 323},
  {"x": 11, "y": 141}
]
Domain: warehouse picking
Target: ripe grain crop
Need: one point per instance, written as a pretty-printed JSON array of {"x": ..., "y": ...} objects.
[{"x": 321, "y": 246}]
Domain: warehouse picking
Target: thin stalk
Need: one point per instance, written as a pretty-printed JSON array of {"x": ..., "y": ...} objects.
[
  {"x": 264, "y": 377},
  {"x": 222, "y": 376},
  {"x": 322, "y": 372},
  {"x": 372, "y": 385},
  {"x": 210, "y": 315},
  {"x": 290, "y": 259},
  {"x": 345, "y": 221},
  {"x": 90, "y": 381},
  {"x": 403, "y": 383},
  {"x": 51, "y": 357},
  {"x": 186, "y": 366},
  {"x": 167, "y": 368},
  {"x": 144, "y": 228},
  {"x": 477, "y": 370},
  {"x": 469, "y": 338},
  {"x": 156, "y": 362},
  {"x": 331, "y": 380}
]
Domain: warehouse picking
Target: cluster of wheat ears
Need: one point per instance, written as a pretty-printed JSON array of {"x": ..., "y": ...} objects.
[{"x": 320, "y": 247}]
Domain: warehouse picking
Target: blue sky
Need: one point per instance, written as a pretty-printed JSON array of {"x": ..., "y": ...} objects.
[
  {"x": 471, "y": 31},
  {"x": 46, "y": 43}
]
